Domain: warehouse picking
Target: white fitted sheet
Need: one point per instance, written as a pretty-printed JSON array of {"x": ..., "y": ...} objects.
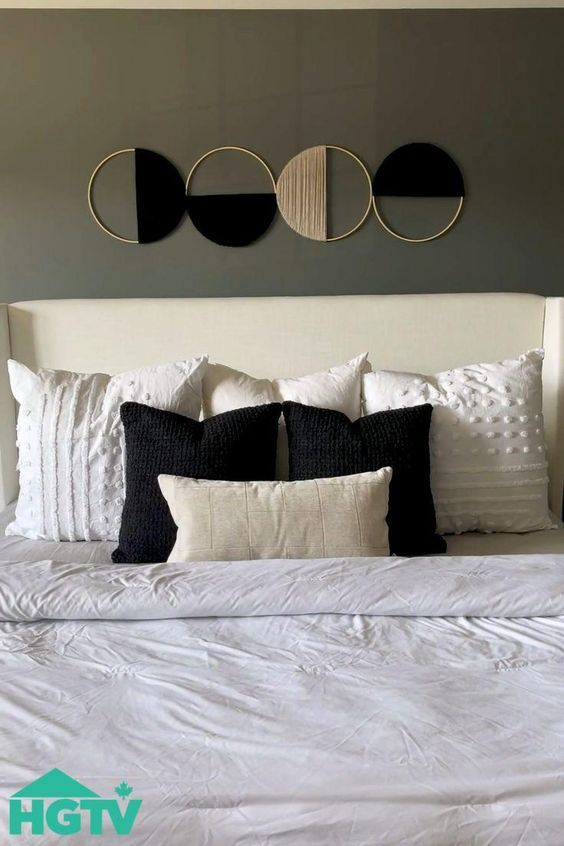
[
  {"x": 530, "y": 543},
  {"x": 17, "y": 548},
  {"x": 351, "y": 702},
  {"x": 472, "y": 543}
]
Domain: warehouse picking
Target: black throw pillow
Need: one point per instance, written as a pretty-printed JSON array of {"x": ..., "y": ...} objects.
[
  {"x": 326, "y": 443},
  {"x": 238, "y": 446}
]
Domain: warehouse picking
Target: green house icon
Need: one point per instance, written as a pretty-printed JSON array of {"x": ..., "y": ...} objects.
[{"x": 55, "y": 785}]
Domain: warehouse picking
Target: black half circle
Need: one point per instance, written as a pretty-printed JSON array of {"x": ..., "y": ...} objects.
[
  {"x": 418, "y": 170},
  {"x": 232, "y": 220},
  {"x": 159, "y": 191}
]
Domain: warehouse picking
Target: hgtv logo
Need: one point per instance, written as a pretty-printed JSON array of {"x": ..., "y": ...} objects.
[{"x": 60, "y": 804}]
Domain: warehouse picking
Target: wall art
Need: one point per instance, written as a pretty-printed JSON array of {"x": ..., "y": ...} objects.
[
  {"x": 238, "y": 218},
  {"x": 418, "y": 170},
  {"x": 232, "y": 219},
  {"x": 302, "y": 194},
  {"x": 159, "y": 196}
]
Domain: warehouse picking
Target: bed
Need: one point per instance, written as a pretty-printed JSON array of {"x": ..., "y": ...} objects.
[{"x": 356, "y": 701}]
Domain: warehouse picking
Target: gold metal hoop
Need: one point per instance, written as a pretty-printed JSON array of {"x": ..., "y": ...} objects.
[
  {"x": 233, "y": 149},
  {"x": 417, "y": 240},
  {"x": 369, "y": 181},
  {"x": 91, "y": 202},
  {"x": 366, "y": 212}
]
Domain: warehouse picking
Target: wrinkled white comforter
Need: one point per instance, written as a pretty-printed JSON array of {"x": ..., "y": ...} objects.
[{"x": 293, "y": 703}]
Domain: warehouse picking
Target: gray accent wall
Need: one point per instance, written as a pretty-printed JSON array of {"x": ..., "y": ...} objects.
[{"x": 484, "y": 85}]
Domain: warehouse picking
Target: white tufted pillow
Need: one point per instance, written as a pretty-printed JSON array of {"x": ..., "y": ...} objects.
[
  {"x": 488, "y": 461},
  {"x": 70, "y": 439}
]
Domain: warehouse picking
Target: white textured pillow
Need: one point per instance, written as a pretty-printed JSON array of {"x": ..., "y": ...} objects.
[
  {"x": 488, "y": 461},
  {"x": 318, "y": 518},
  {"x": 70, "y": 438},
  {"x": 338, "y": 388}
]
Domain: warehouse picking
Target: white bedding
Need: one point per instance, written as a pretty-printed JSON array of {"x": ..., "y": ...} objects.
[{"x": 309, "y": 703}]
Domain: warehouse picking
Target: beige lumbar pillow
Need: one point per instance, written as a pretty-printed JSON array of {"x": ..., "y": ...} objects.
[{"x": 317, "y": 518}]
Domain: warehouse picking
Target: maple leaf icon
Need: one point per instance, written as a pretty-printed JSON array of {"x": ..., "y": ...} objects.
[{"x": 123, "y": 790}]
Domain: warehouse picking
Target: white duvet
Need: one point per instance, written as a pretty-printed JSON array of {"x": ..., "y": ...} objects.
[{"x": 302, "y": 703}]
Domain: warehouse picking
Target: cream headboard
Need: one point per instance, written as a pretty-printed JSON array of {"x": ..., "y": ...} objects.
[{"x": 286, "y": 336}]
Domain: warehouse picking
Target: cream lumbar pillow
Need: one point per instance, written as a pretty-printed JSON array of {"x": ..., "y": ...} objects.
[
  {"x": 488, "y": 460},
  {"x": 70, "y": 439},
  {"x": 339, "y": 388},
  {"x": 318, "y": 518}
]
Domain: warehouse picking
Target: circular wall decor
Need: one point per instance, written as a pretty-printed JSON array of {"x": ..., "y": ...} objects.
[
  {"x": 418, "y": 170},
  {"x": 301, "y": 192},
  {"x": 232, "y": 220},
  {"x": 159, "y": 196}
]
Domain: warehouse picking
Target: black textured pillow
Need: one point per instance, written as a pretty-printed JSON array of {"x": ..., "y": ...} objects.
[
  {"x": 238, "y": 446},
  {"x": 326, "y": 443}
]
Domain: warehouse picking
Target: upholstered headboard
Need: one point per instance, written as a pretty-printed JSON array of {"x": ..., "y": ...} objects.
[{"x": 286, "y": 336}]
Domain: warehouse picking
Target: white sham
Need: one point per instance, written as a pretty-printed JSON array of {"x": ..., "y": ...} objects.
[
  {"x": 70, "y": 440},
  {"x": 488, "y": 458}
]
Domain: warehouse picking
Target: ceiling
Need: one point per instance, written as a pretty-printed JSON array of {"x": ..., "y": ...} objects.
[{"x": 280, "y": 4}]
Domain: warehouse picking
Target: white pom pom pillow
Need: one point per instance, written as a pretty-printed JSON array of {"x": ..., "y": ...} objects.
[{"x": 488, "y": 460}]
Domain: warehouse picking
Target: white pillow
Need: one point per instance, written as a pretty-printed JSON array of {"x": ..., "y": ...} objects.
[
  {"x": 488, "y": 461},
  {"x": 338, "y": 388},
  {"x": 240, "y": 521},
  {"x": 70, "y": 438}
]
